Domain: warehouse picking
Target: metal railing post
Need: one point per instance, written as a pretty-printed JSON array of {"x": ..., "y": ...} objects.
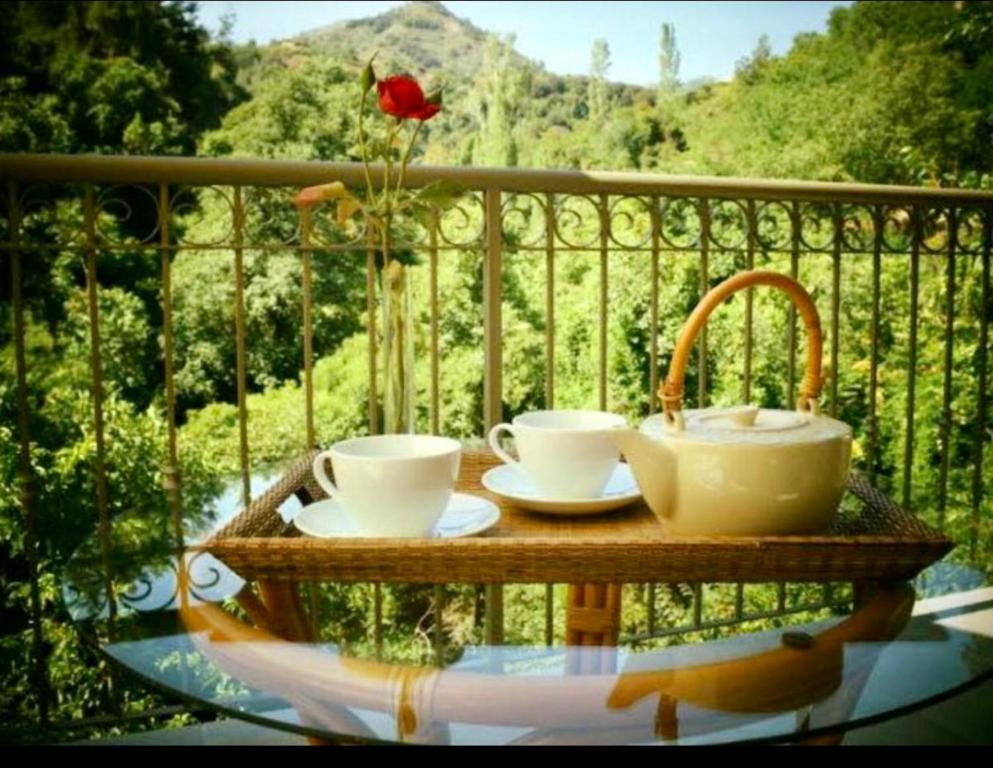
[
  {"x": 24, "y": 472},
  {"x": 493, "y": 376}
]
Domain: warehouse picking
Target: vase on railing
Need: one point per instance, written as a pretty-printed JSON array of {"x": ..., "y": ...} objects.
[{"x": 398, "y": 348}]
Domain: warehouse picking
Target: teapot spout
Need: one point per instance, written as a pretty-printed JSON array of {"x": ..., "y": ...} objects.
[{"x": 654, "y": 466}]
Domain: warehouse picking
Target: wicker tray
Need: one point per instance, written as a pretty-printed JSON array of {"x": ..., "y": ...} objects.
[{"x": 873, "y": 539}]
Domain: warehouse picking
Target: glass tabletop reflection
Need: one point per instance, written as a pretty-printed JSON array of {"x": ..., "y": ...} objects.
[{"x": 265, "y": 651}]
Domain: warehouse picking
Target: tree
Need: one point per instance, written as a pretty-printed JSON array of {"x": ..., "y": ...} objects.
[
  {"x": 597, "y": 88},
  {"x": 498, "y": 100},
  {"x": 668, "y": 62},
  {"x": 139, "y": 76},
  {"x": 750, "y": 67}
]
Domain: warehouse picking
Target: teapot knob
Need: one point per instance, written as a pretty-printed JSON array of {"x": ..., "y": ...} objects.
[{"x": 744, "y": 416}]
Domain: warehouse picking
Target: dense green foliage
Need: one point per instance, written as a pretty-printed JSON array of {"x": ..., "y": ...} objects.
[{"x": 890, "y": 93}]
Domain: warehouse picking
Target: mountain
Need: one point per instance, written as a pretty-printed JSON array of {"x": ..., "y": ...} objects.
[{"x": 418, "y": 37}]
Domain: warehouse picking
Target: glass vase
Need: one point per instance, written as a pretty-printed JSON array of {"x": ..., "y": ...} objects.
[{"x": 398, "y": 349}]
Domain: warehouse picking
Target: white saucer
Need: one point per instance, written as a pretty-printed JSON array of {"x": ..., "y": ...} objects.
[
  {"x": 465, "y": 515},
  {"x": 508, "y": 483}
]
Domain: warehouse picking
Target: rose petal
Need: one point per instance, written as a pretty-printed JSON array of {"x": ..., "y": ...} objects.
[
  {"x": 318, "y": 194},
  {"x": 400, "y": 96},
  {"x": 427, "y": 112}
]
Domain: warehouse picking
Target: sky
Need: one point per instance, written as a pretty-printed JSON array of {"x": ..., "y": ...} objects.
[{"x": 711, "y": 36}]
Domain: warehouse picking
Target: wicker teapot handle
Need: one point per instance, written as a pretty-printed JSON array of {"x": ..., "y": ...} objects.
[{"x": 671, "y": 391}]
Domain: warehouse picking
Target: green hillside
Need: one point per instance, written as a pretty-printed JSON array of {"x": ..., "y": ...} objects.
[
  {"x": 420, "y": 37},
  {"x": 892, "y": 92}
]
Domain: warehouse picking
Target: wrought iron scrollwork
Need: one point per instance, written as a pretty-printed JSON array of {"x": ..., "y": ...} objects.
[
  {"x": 969, "y": 229},
  {"x": 126, "y": 215},
  {"x": 462, "y": 225},
  {"x": 629, "y": 222},
  {"x": 681, "y": 223},
  {"x": 728, "y": 224},
  {"x": 196, "y": 207},
  {"x": 774, "y": 224},
  {"x": 898, "y": 228},
  {"x": 858, "y": 228},
  {"x": 524, "y": 220},
  {"x": 934, "y": 230},
  {"x": 569, "y": 221},
  {"x": 817, "y": 226}
]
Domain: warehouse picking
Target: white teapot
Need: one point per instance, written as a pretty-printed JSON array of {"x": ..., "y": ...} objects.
[{"x": 743, "y": 470}]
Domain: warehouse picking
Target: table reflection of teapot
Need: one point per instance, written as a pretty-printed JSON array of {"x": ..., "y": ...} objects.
[
  {"x": 741, "y": 470},
  {"x": 779, "y": 680}
]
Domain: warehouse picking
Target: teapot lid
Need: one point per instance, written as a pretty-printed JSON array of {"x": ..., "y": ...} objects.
[{"x": 748, "y": 424}]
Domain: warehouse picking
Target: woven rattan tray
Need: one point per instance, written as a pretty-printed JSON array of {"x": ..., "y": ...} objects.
[{"x": 873, "y": 539}]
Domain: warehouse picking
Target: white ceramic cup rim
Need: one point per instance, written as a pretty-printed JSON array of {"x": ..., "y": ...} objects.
[
  {"x": 411, "y": 447},
  {"x": 608, "y": 420}
]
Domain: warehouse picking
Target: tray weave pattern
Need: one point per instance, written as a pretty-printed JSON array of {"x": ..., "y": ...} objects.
[{"x": 872, "y": 539}]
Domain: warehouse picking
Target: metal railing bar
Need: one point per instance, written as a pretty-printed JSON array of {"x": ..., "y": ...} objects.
[
  {"x": 370, "y": 326},
  {"x": 746, "y": 383},
  {"x": 877, "y": 249},
  {"x": 492, "y": 320},
  {"x": 213, "y": 248},
  {"x": 435, "y": 406},
  {"x": 238, "y": 213},
  {"x": 984, "y": 312},
  {"x": 493, "y": 370},
  {"x": 549, "y": 614},
  {"x": 791, "y": 329},
  {"x": 653, "y": 320},
  {"x": 946, "y": 388},
  {"x": 704, "y": 287},
  {"x": 308, "y": 324},
  {"x": 377, "y": 620},
  {"x": 915, "y": 261},
  {"x": 652, "y": 609},
  {"x": 835, "y": 306},
  {"x": 344, "y": 248},
  {"x": 494, "y": 614},
  {"x": 171, "y": 479},
  {"x": 739, "y": 597},
  {"x": 96, "y": 371},
  {"x": 438, "y": 601},
  {"x": 213, "y": 171},
  {"x": 697, "y": 604},
  {"x": 24, "y": 474},
  {"x": 549, "y": 301},
  {"x": 602, "y": 325}
]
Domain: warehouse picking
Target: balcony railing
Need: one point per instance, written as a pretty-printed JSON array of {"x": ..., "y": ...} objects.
[{"x": 702, "y": 226}]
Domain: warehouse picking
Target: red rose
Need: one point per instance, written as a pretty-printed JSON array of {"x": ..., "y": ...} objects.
[
  {"x": 427, "y": 112},
  {"x": 402, "y": 97}
]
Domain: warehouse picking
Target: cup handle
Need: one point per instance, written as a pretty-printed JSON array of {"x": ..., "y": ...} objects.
[
  {"x": 322, "y": 477},
  {"x": 495, "y": 444}
]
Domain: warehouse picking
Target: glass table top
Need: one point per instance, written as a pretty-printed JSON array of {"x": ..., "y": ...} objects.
[{"x": 284, "y": 654}]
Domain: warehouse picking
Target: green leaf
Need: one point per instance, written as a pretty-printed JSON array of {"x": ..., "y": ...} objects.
[
  {"x": 439, "y": 193},
  {"x": 368, "y": 76}
]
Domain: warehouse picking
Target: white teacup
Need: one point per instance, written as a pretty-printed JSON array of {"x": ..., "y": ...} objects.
[
  {"x": 392, "y": 485},
  {"x": 566, "y": 454}
]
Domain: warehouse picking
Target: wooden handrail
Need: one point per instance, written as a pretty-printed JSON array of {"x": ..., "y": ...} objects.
[{"x": 134, "y": 169}]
